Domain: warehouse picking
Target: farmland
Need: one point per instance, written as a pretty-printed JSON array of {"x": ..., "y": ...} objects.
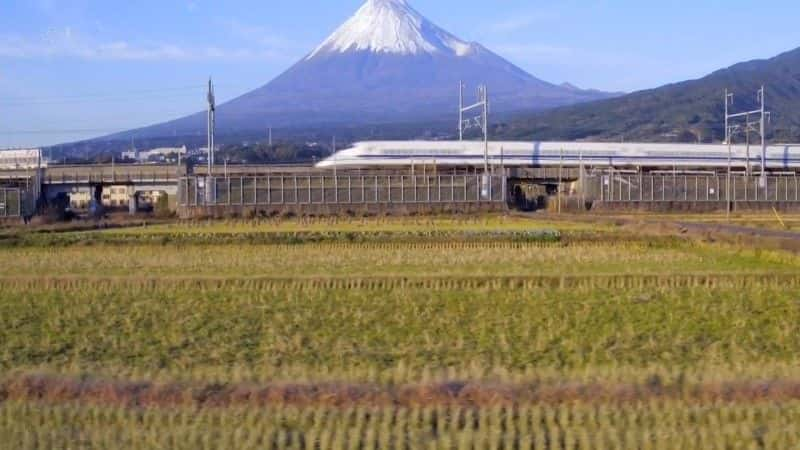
[{"x": 495, "y": 332}]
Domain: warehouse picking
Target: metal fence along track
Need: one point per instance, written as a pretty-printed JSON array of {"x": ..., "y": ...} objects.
[
  {"x": 11, "y": 202},
  {"x": 693, "y": 188},
  {"x": 340, "y": 190}
]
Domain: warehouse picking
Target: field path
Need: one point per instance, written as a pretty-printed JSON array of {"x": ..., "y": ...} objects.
[{"x": 739, "y": 230}]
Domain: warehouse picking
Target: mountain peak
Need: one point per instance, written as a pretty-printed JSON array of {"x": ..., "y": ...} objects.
[
  {"x": 386, "y": 64},
  {"x": 391, "y": 26}
]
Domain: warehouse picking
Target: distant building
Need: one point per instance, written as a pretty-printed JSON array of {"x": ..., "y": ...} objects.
[
  {"x": 80, "y": 199},
  {"x": 21, "y": 159},
  {"x": 150, "y": 197},
  {"x": 113, "y": 197},
  {"x": 154, "y": 155}
]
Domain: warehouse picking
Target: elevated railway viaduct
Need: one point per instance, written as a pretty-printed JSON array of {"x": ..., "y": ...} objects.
[
  {"x": 242, "y": 189},
  {"x": 235, "y": 188}
]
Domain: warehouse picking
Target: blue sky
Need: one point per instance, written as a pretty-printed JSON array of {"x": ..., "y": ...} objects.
[{"x": 72, "y": 69}]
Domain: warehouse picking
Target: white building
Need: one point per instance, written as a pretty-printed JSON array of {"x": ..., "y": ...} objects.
[
  {"x": 113, "y": 197},
  {"x": 21, "y": 159},
  {"x": 158, "y": 153}
]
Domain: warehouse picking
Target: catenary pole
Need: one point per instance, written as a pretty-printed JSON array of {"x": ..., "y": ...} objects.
[
  {"x": 762, "y": 95},
  {"x": 211, "y": 126},
  {"x": 460, "y": 110},
  {"x": 728, "y": 187},
  {"x": 485, "y": 129},
  {"x": 727, "y": 130}
]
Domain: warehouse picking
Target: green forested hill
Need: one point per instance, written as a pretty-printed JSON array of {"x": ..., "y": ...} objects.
[{"x": 688, "y": 111}]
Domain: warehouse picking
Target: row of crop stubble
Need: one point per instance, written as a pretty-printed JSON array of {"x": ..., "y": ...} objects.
[
  {"x": 650, "y": 425},
  {"x": 498, "y": 257}
]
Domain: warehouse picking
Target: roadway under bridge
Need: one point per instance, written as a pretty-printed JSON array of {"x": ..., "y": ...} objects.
[
  {"x": 91, "y": 183},
  {"x": 123, "y": 184}
]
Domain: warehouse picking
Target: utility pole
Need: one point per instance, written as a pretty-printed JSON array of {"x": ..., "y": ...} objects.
[
  {"x": 210, "y": 183},
  {"x": 481, "y": 121},
  {"x": 460, "y": 110},
  {"x": 728, "y": 182},
  {"x": 211, "y": 126},
  {"x": 761, "y": 98},
  {"x": 750, "y": 126},
  {"x": 728, "y": 102},
  {"x": 485, "y": 130},
  {"x": 748, "y": 170},
  {"x": 335, "y": 173},
  {"x": 560, "y": 177}
]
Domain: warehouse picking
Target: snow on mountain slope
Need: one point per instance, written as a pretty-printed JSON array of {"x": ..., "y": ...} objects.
[{"x": 392, "y": 26}]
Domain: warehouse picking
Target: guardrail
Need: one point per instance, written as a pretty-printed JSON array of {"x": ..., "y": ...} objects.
[
  {"x": 99, "y": 174},
  {"x": 110, "y": 178},
  {"x": 348, "y": 189}
]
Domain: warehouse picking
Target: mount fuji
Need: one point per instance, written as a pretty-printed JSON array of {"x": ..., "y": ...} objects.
[{"x": 386, "y": 64}]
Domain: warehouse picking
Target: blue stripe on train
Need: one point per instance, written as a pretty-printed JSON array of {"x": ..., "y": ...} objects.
[{"x": 785, "y": 159}]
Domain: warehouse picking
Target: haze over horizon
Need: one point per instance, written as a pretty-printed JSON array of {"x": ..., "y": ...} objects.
[{"x": 75, "y": 69}]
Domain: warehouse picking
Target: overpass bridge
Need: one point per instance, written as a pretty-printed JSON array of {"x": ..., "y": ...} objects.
[
  {"x": 55, "y": 183},
  {"x": 98, "y": 174},
  {"x": 34, "y": 186}
]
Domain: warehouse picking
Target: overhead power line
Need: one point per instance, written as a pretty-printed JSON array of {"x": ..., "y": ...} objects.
[
  {"x": 113, "y": 96},
  {"x": 106, "y": 94},
  {"x": 72, "y": 131}
]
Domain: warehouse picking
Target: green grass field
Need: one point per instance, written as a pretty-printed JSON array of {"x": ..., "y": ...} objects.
[{"x": 396, "y": 333}]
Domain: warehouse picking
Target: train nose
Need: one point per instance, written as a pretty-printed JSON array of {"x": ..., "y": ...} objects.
[{"x": 324, "y": 164}]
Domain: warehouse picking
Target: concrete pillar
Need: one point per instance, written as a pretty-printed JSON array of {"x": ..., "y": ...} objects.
[
  {"x": 97, "y": 194},
  {"x": 96, "y": 207},
  {"x": 133, "y": 201}
]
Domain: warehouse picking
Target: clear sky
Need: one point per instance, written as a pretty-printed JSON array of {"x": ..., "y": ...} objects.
[{"x": 72, "y": 69}]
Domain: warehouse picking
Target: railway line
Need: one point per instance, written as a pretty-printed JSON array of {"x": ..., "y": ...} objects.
[
  {"x": 443, "y": 175},
  {"x": 618, "y": 156}
]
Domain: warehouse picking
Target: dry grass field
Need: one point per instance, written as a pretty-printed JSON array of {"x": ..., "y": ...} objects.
[{"x": 493, "y": 332}]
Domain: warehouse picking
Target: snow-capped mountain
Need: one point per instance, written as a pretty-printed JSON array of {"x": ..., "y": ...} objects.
[
  {"x": 387, "y": 63},
  {"x": 391, "y": 26}
]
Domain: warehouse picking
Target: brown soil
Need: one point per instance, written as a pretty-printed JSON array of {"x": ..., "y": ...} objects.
[{"x": 57, "y": 389}]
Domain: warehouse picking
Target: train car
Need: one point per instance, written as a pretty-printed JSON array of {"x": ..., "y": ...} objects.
[{"x": 568, "y": 154}]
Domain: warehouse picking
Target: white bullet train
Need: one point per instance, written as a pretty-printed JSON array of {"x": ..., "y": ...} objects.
[{"x": 568, "y": 154}]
